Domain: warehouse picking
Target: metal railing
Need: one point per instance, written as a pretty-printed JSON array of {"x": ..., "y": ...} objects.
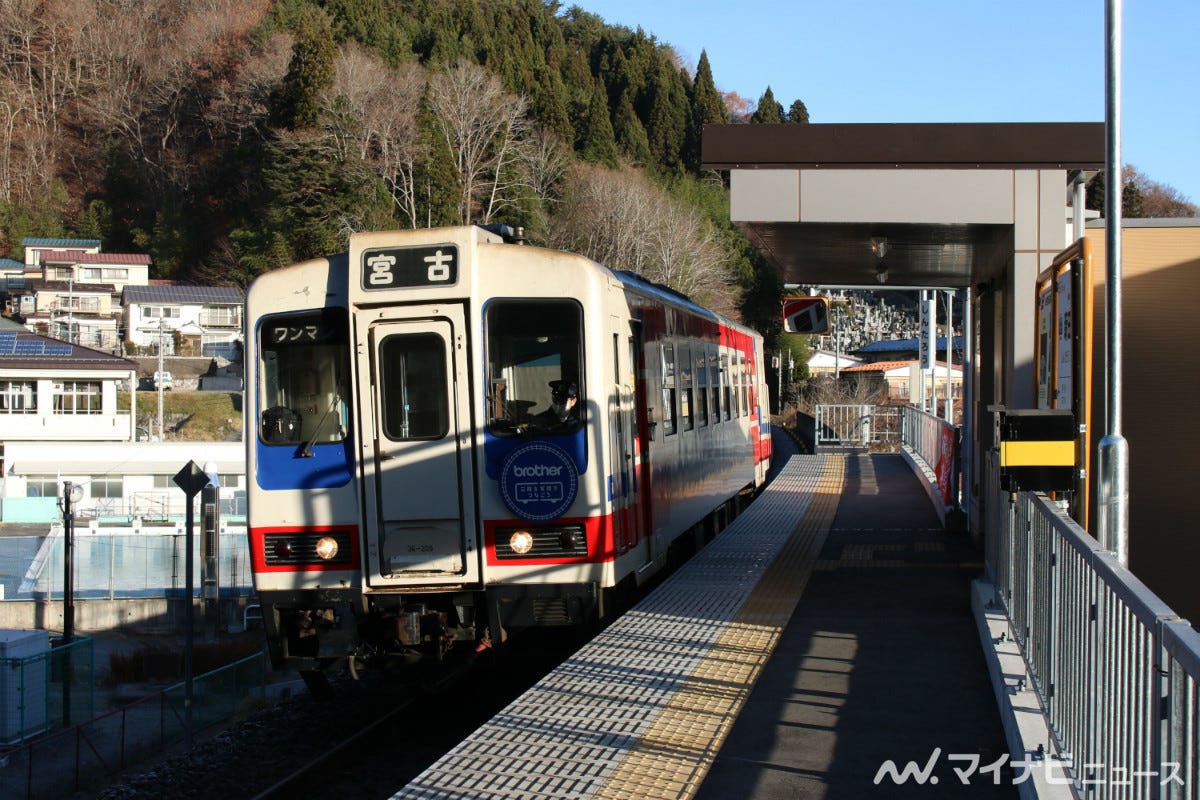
[
  {"x": 925, "y": 433},
  {"x": 88, "y": 754},
  {"x": 856, "y": 425},
  {"x": 1116, "y": 670}
]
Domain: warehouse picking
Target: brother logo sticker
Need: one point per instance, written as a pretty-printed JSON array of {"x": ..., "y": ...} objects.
[{"x": 538, "y": 482}]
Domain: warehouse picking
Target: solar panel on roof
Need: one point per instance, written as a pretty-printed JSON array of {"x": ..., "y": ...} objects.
[
  {"x": 28, "y": 348},
  {"x": 58, "y": 349}
]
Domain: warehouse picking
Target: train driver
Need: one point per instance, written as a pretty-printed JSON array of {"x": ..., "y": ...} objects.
[{"x": 564, "y": 405}]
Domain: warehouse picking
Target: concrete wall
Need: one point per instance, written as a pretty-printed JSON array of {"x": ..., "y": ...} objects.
[{"x": 145, "y": 615}]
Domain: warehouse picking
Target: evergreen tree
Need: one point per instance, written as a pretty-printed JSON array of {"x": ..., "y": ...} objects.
[
  {"x": 668, "y": 121},
  {"x": 769, "y": 111},
  {"x": 798, "y": 113},
  {"x": 597, "y": 142},
  {"x": 435, "y": 178},
  {"x": 548, "y": 100},
  {"x": 1132, "y": 202},
  {"x": 630, "y": 133},
  {"x": 297, "y": 102},
  {"x": 707, "y": 108}
]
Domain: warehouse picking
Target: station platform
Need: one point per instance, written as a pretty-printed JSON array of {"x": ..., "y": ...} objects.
[{"x": 826, "y": 631}]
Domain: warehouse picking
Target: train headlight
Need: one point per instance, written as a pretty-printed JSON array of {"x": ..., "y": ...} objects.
[
  {"x": 521, "y": 542},
  {"x": 327, "y": 547}
]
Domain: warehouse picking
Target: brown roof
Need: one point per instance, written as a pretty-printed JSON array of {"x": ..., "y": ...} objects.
[{"x": 80, "y": 257}]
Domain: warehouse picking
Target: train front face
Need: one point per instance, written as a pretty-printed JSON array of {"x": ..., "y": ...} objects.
[
  {"x": 304, "y": 508},
  {"x": 421, "y": 463}
]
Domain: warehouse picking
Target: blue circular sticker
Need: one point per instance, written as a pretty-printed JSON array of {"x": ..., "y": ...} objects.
[{"x": 538, "y": 482}]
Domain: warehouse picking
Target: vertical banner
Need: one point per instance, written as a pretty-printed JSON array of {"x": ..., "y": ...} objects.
[
  {"x": 928, "y": 344},
  {"x": 945, "y": 463}
]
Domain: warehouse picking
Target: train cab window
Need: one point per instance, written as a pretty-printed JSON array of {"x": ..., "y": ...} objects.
[
  {"x": 668, "y": 390},
  {"x": 685, "y": 387},
  {"x": 304, "y": 368},
  {"x": 413, "y": 387},
  {"x": 701, "y": 388},
  {"x": 534, "y": 367}
]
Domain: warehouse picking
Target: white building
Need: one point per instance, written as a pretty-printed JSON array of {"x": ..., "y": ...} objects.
[
  {"x": 51, "y": 390},
  {"x": 826, "y": 362},
  {"x": 205, "y": 320},
  {"x": 115, "y": 481}
]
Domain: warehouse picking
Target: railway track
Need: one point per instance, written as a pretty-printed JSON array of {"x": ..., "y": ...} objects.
[{"x": 367, "y": 740}]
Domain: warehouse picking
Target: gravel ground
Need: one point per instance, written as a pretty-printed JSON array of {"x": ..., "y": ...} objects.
[{"x": 253, "y": 754}]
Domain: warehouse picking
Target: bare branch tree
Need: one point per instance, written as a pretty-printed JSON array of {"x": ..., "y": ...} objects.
[
  {"x": 481, "y": 125},
  {"x": 624, "y": 222}
]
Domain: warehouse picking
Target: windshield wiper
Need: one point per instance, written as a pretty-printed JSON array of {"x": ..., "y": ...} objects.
[{"x": 306, "y": 451}]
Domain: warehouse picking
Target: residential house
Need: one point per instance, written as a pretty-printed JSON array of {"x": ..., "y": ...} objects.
[
  {"x": 903, "y": 379},
  {"x": 198, "y": 320},
  {"x": 51, "y": 390},
  {"x": 36, "y": 249},
  {"x": 117, "y": 270},
  {"x": 905, "y": 349},
  {"x": 828, "y": 362},
  {"x": 75, "y": 312}
]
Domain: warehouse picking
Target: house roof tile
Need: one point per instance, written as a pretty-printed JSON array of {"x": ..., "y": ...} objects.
[
  {"x": 79, "y": 257},
  {"x": 22, "y": 349},
  {"x": 183, "y": 294}
]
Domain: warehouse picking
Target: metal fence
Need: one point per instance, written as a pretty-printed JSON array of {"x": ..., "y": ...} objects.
[
  {"x": 88, "y": 754},
  {"x": 856, "y": 426},
  {"x": 118, "y": 563},
  {"x": 46, "y": 690},
  {"x": 1117, "y": 671}
]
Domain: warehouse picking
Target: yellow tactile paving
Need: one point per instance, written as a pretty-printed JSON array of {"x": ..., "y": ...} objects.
[
  {"x": 672, "y": 757},
  {"x": 642, "y": 710}
]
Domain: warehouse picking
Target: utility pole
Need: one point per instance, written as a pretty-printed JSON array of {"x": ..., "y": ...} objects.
[{"x": 158, "y": 384}]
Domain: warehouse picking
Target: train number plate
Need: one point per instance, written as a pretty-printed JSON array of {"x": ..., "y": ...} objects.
[{"x": 399, "y": 267}]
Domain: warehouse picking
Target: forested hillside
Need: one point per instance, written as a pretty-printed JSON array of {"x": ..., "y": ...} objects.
[{"x": 230, "y": 137}]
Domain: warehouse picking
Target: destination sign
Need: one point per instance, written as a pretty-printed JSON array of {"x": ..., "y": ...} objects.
[
  {"x": 402, "y": 267},
  {"x": 324, "y": 327}
]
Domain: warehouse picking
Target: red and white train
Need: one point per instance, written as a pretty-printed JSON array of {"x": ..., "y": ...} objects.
[{"x": 411, "y": 485}]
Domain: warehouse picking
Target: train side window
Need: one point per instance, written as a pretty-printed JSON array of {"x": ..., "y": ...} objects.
[
  {"x": 685, "y": 387},
  {"x": 726, "y": 387},
  {"x": 743, "y": 385},
  {"x": 701, "y": 387},
  {"x": 714, "y": 386},
  {"x": 668, "y": 389},
  {"x": 532, "y": 344}
]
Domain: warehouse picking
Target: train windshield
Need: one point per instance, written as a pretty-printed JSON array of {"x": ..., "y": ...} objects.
[
  {"x": 534, "y": 359},
  {"x": 303, "y": 369}
]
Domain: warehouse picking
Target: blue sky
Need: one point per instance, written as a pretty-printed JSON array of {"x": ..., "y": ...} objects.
[{"x": 952, "y": 61}]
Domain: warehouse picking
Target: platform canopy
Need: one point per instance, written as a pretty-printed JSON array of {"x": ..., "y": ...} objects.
[{"x": 921, "y": 204}]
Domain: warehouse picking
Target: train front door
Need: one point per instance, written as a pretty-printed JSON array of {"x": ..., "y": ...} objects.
[{"x": 420, "y": 509}]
